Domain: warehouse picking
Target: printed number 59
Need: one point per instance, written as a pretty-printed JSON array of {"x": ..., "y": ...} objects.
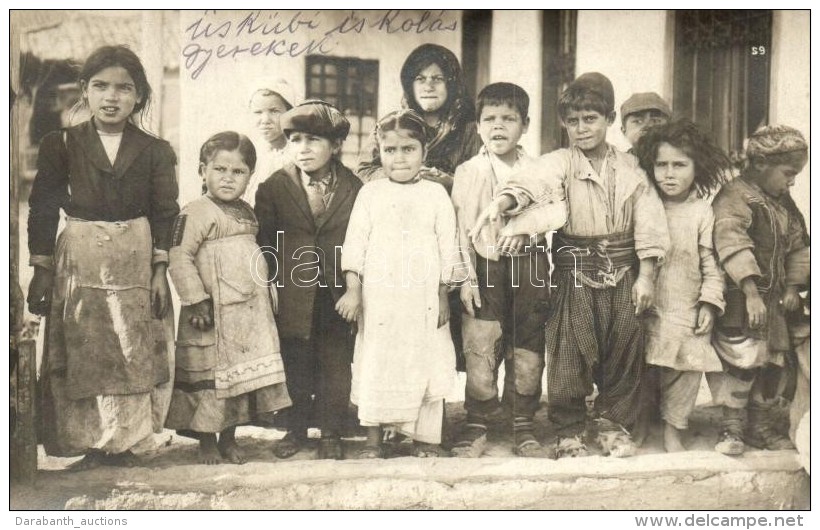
[{"x": 758, "y": 50}]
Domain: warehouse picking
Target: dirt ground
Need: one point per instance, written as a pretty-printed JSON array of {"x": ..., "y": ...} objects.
[
  {"x": 171, "y": 478},
  {"x": 258, "y": 443}
]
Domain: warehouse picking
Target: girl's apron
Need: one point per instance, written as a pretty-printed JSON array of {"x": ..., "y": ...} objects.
[
  {"x": 247, "y": 345},
  {"x": 104, "y": 353},
  {"x": 231, "y": 374}
]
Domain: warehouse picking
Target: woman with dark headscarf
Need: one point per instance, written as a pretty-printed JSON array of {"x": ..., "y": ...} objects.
[{"x": 433, "y": 86}]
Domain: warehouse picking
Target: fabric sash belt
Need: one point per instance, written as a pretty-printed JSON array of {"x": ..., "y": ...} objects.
[{"x": 594, "y": 253}]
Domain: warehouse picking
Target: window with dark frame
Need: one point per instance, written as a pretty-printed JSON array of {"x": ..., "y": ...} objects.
[
  {"x": 722, "y": 69},
  {"x": 352, "y": 85}
]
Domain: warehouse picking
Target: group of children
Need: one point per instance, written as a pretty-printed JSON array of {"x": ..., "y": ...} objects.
[{"x": 629, "y": 290}]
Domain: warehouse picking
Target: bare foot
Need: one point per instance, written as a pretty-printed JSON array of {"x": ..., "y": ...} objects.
[
  {"x": 208, "y": 451},
  {"x": 231, "y": 452},
  {"x": 671, "y": 439}
]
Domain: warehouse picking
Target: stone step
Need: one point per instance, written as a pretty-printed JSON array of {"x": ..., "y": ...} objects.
[
  {"x": 695, "y": 480},
  {"x": 698, "y": 479}
]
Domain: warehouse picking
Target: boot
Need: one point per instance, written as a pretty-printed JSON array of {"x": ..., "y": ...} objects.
[
  {"x": 730, "y": 439},
  {"x": 762, "y": 433},
  {"x": 525, "y": 442}
]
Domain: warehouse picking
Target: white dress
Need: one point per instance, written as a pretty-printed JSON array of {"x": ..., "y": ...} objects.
[{"x": 401, "y": 240}]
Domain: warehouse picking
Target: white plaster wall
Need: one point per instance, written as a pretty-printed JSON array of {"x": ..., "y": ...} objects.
[
  {"x": 790, "y": 98},
  {"x": 516, "y": 57},
  {"x": 217, "y": 98},
  {"x": 631, "y": 49}
]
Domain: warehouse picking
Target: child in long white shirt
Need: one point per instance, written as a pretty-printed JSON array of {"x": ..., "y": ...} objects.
[{"x": 398, "y": 258}]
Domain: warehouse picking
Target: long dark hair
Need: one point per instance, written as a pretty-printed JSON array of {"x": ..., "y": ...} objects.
[
  {"x": 711, "y": 164},
  {"x": 458, "y": 108},
  {"x": 108, "y": 56}
]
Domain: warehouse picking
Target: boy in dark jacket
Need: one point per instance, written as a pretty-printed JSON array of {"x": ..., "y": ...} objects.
[{"x": 303, "y": 212}]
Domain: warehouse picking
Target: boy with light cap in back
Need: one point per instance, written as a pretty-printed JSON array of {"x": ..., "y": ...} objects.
[{"x": 641, "y": 111}]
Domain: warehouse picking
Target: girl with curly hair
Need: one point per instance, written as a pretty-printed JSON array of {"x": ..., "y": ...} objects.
[{"x": 686, "y": 167}]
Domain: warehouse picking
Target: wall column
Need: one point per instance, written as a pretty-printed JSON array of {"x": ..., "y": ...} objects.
[{"x": 516, "y": 57}]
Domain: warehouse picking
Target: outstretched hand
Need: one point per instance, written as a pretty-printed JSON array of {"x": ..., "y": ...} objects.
[
  {"x": 491, "y": 214},
  {"x": 512, "y": 244}
]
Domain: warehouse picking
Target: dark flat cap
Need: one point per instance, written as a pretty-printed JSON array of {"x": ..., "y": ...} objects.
[{"x": 318, "y": 117}]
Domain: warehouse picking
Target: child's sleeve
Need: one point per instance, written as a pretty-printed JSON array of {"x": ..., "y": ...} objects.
[
  {"x": 267, "y": 216},
  {"x": 540, "y": 179},
  {"x": 651, "y": 232},
  {"x": 461, "y": 188},
  {"x": 733, "y": 217},
  {"x": 164, "y": 193},
  {"x": 449, "y": 255},
  {"x": 49, "y": 193},
  {"x": 798, "y": 267},
  {"x": 370, "y": 163},
  {"x": 354, "y": 250},
  {"x": 190, "y": 231},
  {"x": 798, "y": 263},
  {"x": 712, "y": 284}
]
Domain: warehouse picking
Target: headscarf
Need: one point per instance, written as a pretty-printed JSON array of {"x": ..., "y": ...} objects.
[
  {"x": 458, "y": 111},
  {"x": 279, "y": 86}
]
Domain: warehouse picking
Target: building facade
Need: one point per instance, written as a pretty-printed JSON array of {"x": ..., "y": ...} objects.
[{"x": 730, "y": 71}]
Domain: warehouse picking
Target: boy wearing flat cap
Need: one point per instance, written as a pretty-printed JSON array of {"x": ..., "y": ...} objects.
[
  {"x": 604, "y": 257},
  {"x": 303, "y": 212},
  {"x": 641, "y": 111}
]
